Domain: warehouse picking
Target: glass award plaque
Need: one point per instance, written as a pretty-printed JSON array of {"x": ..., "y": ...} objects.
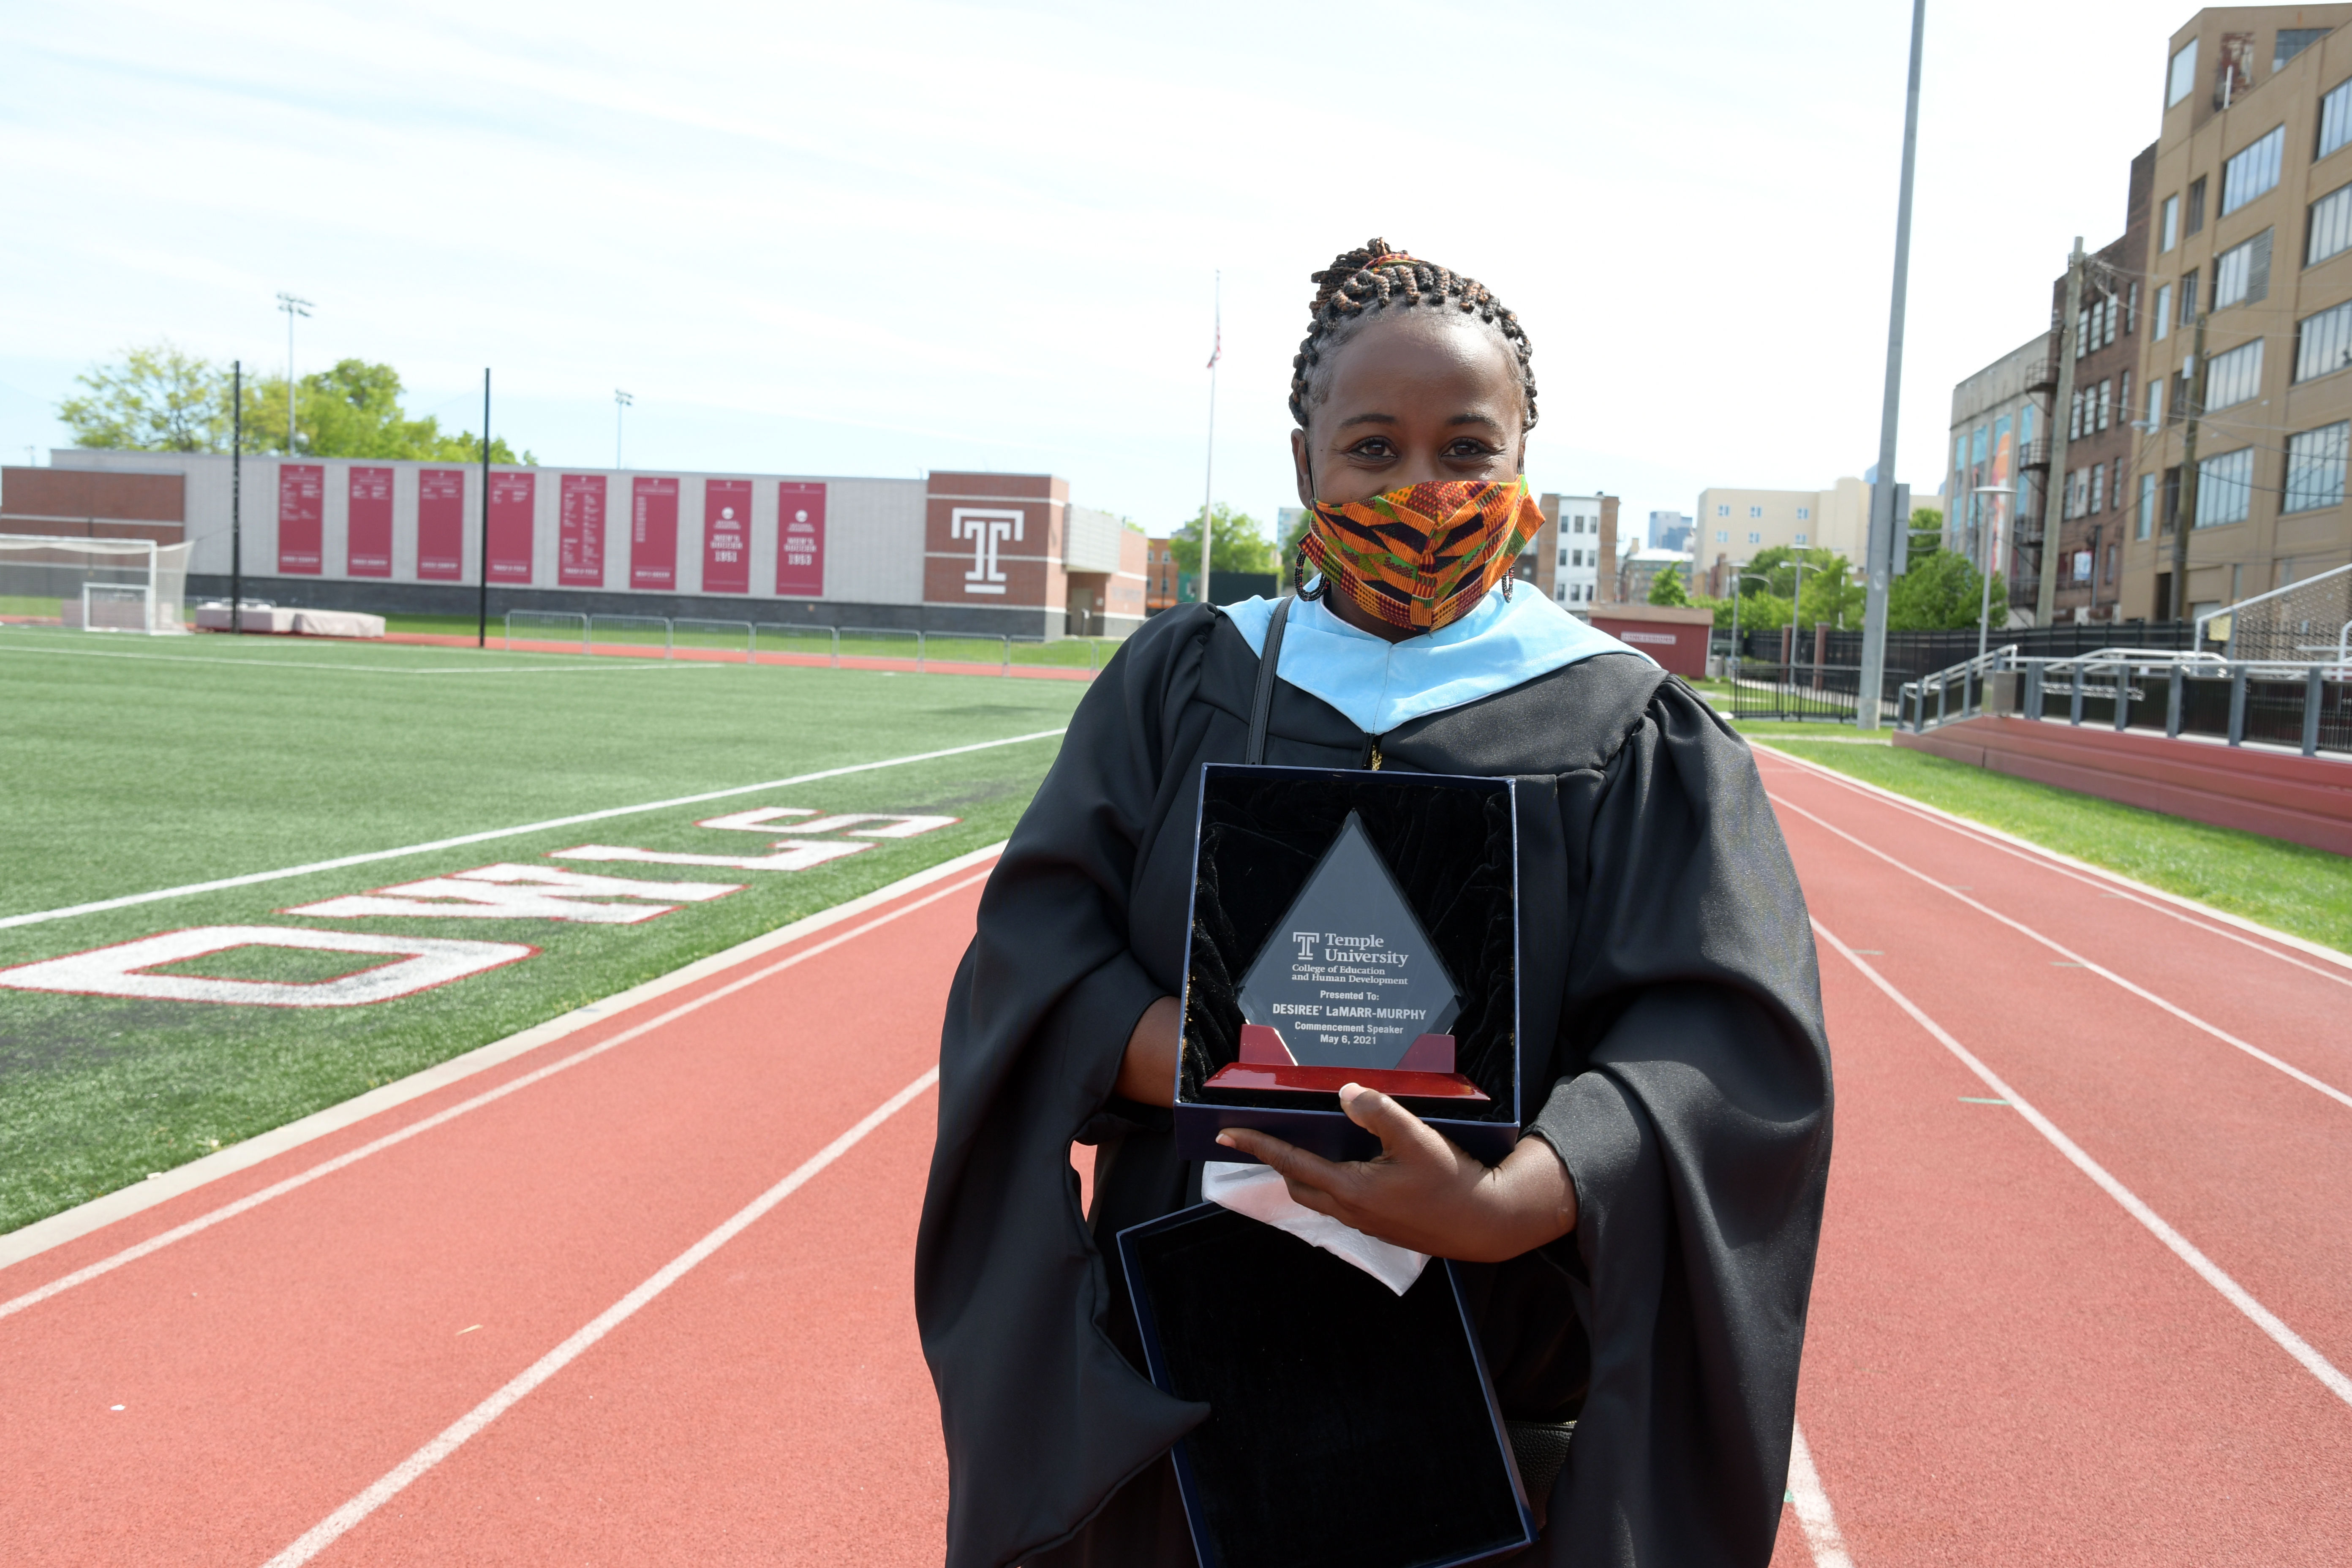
[
  {"x": 1350, "y": 926},
  {"x": 1350, "y": 989}
]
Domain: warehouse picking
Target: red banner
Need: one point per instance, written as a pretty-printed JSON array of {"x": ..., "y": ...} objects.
[
  {"x": 301, "y": 516},
  {"x": 370, "y": 533},
  {"x": 800, "y": 539},
  {"x": 441, "y": 525},
  {"x": 579, "y": 542},
  {"x": 727, "y": 536},
  {"x": 512, "y": 498},
  {"x": 653, "y": 534}
]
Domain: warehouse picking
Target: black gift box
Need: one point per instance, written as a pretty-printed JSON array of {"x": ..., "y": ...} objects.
[
  {"x": 1349, "y": 1426},
  {"x": 1449, "y": 846}
]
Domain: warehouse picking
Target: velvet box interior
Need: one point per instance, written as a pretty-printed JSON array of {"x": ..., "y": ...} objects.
[
  {"x": 1449, "y": 847},
  {"x": 1350, "y": 1428}
]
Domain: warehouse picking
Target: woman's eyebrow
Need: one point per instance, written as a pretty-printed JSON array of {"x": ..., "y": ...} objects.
[
  {"x": 1367, "y": 419},
  {"x": 1486, "y": 420}
]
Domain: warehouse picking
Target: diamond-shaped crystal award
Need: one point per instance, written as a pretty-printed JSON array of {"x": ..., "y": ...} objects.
[{"x": 1350, "y": 989}]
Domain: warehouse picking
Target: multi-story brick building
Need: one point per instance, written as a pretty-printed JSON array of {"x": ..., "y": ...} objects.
[
  {"x": 2251, "y": 234},
  {"x": 1159, "y": 576},
  {"x": 1994, "y": 492},
  {"x": 2094, "y": 495}
]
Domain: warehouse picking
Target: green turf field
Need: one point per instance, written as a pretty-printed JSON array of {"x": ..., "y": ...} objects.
[{"x": 135, "y": 764}]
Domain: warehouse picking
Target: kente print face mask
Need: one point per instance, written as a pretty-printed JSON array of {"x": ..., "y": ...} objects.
[{"x": 1423, "y": 556}]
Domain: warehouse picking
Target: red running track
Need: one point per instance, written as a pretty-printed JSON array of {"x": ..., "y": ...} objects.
[{"x": 2006, "y": 1365}]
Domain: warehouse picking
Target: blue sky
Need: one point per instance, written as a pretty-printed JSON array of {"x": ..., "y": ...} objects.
[{"x": 882, "y": 238}]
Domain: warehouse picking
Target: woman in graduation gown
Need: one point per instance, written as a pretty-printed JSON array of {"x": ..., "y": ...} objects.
[{"x": 1641, "y": 1262}]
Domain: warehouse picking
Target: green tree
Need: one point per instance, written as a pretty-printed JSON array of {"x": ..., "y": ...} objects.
[
  {"x": 1666, "y": 588},
  {"x": 158, "y": 399},
  {"x": 1940, "y": 591},
  {"x": 1239, "y": 543},
  {"x": 354, "y": 411}
]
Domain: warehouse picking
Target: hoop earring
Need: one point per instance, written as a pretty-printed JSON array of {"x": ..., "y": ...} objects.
[{"x": 1299, "y": 580}]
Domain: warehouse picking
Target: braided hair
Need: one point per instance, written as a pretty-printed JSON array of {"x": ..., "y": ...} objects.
[{"x": 1372, "y": 277}]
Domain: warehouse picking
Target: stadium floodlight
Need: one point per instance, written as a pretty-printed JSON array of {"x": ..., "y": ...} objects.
[
  {"x": 94, "y": 585},
  {"x": 293, "y": 305}
]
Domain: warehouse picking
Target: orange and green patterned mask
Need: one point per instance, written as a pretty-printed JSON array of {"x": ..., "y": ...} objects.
[{"x": 1423, "y": 556}]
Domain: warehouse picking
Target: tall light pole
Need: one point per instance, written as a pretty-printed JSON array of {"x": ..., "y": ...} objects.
[
  {"x": 293, "y": 307},
  {"x": 1879, "y": 555},
  {"x": 1208, "y": 481},
  {"x": 621, "y": 400},
  {"x": 1988, "y": 529}
]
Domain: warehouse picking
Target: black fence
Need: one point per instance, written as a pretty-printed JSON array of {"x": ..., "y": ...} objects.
[{"x": 1911, "y": 655}]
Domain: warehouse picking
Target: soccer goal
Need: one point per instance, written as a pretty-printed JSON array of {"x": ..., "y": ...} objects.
[
  {"x": 95, "y": 585},
  {"x": 2308, "y": 622}
]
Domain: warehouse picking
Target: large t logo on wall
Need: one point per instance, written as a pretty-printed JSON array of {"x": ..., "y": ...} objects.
[{"x": 987, "y": 529}]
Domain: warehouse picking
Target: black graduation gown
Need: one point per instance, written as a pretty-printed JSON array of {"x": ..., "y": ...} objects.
[{"x": 1670, "y": 999}]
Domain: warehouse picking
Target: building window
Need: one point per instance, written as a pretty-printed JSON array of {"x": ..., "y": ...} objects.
[
  {"x": 2255, "y": 171},
  {"x": 2156, "y": 405},
  {"x": 2335, "y": 120},
  {"x": 2170, "y": 232},
  {"x": 2331, "y": 226},
  {"x": 1803, "y": 513},
  {"x": 2293, "y": 41},
  {"x": 2182, "y": 80},
  {"x": 1801, "y": 538},
  {"x": 2196, "y": 204},
  {"x": 2233, "y": 377},
  {"x": 2164, "y": 312},
  {"x": 1755, "y": 511},
  {"x": 2107, "y": 407},
  {"x": 2323, "y": 343},
  {"x": 1723, "y": 512},
  {"x": 2123, "y": 396},
  {"x": 2224, "y": 487},
  {"x": 2315, "y": 469},
  {"x": 2243, "y": 275},
  {"x": 2145, "y": 520},
  {"x": 2188, "y": 299},
  {"x": 2098, "y": 489},
  {"x": 1723, "y": 536},
  {"x": 2075, "y": 417},
  {"x": 1754, "y": 537}
]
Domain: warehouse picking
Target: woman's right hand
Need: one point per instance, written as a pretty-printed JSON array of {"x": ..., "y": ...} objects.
[{"x": 1146, "y": 1074}]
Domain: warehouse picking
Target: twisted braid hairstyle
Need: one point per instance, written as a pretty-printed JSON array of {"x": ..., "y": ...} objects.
[{"x": 1374, "y": 277}]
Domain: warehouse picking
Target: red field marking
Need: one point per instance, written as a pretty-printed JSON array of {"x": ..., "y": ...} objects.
[
  {"x": 2003, "y": 1365},
  {"x": 276, "y": 1366}
]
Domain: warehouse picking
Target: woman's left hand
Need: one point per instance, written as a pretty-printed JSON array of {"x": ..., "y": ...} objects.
[{"x": 1423, "y": 1192}]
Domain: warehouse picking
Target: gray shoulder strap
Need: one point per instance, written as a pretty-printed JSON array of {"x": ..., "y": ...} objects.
[{"x": 1262, "y": 701}]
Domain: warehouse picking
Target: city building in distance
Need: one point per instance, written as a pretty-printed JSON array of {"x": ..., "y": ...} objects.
[
  {"x": 1733, "y": 524},
  {"x": 2000, "y": 429},
  {"x": 2250, "y": 233},
  {"x": 1669, "y": 531},
  {"x": 1573, "y": 548}
]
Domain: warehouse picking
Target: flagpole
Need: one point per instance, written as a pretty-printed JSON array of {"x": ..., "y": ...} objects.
[{"x": 1208, "y": 479}]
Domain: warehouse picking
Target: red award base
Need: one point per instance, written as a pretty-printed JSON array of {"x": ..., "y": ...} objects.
[{"x": 1425, "y": 1072}]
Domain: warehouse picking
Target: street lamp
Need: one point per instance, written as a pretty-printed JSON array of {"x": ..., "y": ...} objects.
[
  {"x": 1985, "y": 531},
  {"x": 293, "y": 307},
  {"x": 1737, "y": 577},
  {"x": 620, "y": 400}
]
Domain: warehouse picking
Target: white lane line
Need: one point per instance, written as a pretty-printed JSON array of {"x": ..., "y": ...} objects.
[
  {"x": 71, "y": 1224},
  {"x": 2102, "y": 970},
  {"x": 488, "y": 1097},
  {"x": 2263, "y": 1317},
  {"x": 251, "y": 877},
  {"x": 2188, "y": 911},
  {"x": 1813, "y": 1506},
  {"x": 324, "y": 1533},
  {"x": 266, "y": 662}
]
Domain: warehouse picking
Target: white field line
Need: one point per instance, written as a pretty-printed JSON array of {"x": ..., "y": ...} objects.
[
  {"x": 31, "y": 1240},
  {"x": 2187, "y": 910},
  {"x": 2263, "y": 1317},
  {"x": 368, "y": 857},
  {"x": 2102, "y": 970},
  {"x": 1814, "y": 1506},
  {"x": 488, "y": 1097},
  {"x": 266, "y": 662},
  {"x": 324, "y": 1533}
]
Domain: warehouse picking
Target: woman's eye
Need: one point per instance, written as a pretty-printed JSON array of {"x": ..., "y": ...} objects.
[
  {"x": 1467, "y": 450},
  {"x": 1376, "y": 446}
]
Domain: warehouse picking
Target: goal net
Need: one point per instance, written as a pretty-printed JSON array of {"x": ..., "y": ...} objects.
[
  {"x": 96, "y": 585},
  {"x": 2308, "y": 622}
]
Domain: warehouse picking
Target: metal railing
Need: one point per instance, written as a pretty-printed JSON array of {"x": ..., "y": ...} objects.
[
  {"x": 547, "y": 620},
  {"x": 629, "y": 631},
  {"x": 878, "y": 642},
  {"x": 691, "y": 626},
  {"x": 2303, "y": 704}
]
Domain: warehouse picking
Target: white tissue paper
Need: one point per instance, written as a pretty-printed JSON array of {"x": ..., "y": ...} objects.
[{"x": 1258, "y": 1191}]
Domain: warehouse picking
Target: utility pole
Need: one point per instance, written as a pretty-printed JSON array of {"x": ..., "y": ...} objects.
[
  {"x": 237, "y": 498},
  {"x": 621, "y": 400},
  {"x": 482, "y": 629},
  {"x": 1209, "y": 483},
  {"x": 2053, "y": 518},
  {"x": 2187, "y": 515},
  {"x": 293, "y": 307},
  {"x": 1879, "y": 554}
]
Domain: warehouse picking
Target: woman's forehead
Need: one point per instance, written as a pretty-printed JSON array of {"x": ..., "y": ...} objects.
[{"x": 1419, "y": 356}]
